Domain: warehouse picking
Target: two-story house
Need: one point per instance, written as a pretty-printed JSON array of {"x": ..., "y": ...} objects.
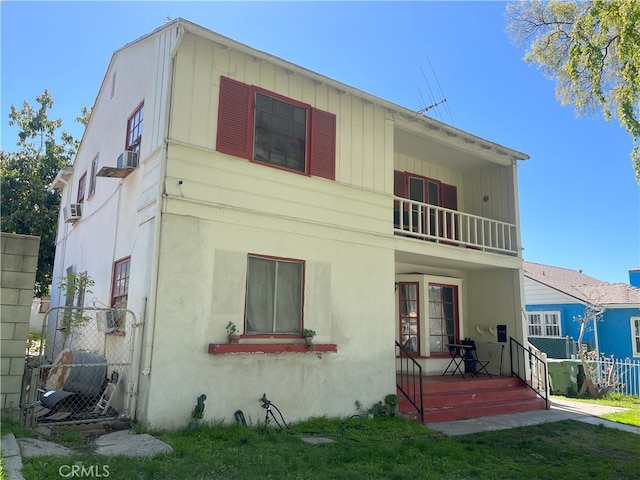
[{"x": 217, "y": 183}]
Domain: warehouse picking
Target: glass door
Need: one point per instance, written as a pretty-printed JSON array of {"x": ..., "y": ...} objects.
[
  {"x": 444, "y": 325},
  {"x": 410, "y": 316}
]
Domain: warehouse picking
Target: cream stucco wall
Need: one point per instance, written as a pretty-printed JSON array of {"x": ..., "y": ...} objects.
[{"x": 201, "y": 288}]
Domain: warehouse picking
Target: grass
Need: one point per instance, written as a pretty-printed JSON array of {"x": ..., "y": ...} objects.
[
  {"x": 631, "y": 403},
  {"x": 381, "y": 448}
]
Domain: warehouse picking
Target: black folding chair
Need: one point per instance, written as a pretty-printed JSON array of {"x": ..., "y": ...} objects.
[{"x": 472, "y": 364}]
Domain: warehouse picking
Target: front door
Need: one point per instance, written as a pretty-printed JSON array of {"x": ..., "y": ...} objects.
[
  {"x": 410, "y": 316},
  {"x": 424, "y": 190},
  {"x": 444, "y": 325}
]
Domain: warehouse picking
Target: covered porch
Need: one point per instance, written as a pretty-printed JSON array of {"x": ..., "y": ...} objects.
[
  {"x": 448, "y": 296},
  {"x": 444, "y": 296}
]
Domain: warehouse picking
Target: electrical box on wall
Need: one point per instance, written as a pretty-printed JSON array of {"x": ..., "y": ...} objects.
[{"x": 502, "y": 333}]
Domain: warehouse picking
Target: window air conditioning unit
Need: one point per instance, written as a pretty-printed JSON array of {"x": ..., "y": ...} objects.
[
  {"x": 72, "y": 212},
  {"x": 109, "y": 320},
  {"x": 128, "y": 159}
]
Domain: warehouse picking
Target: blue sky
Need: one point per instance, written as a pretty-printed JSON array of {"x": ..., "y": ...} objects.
[{"x": 579, "y": 202}]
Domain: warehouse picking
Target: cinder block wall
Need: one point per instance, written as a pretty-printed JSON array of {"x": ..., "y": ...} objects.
[{"x": 18, "y": 269}]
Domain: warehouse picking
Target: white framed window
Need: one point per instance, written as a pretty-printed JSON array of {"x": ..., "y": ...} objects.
[
  {"x": 635, "y": 336},
  {"x": 544, "y": 324}
]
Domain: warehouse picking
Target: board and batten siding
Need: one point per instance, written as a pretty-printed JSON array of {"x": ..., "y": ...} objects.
[
  {"x": 364, "y": 136},
  {"x": 490, "y": 192},
  {"x": 536, "y": 293}
]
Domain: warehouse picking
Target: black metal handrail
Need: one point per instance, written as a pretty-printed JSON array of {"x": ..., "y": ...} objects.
[
  {"x": 406, "y": 378},
  {"x": 524, "y": 356}
]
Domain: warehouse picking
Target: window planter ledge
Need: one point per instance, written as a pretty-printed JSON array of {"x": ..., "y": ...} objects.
[{"x": 226, "y": 348}]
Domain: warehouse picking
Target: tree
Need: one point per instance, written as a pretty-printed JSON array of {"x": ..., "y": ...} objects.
[
  {"x": 592, "y": 50},
  {"x": 29, "y": 205},
  {"x": 592, "y": 313}
]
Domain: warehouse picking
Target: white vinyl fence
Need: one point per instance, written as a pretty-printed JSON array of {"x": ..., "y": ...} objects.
[{"x": 626, "y": 376}]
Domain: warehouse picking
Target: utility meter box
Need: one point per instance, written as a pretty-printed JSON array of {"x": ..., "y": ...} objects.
[{"x": 502, "y": 333}]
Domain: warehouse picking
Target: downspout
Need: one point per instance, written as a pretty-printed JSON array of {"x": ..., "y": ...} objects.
[
  {"x": 50, "y": 349},
  {"x": 157, "y": 237},
  {"x": 136, "y": 348}
]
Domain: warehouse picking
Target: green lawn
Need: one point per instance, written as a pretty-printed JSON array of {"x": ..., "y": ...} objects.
[
  {"x": 381, "y": 448},
  {"x": 632, "y": 404}
]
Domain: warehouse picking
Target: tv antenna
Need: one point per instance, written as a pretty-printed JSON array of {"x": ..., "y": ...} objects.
[
  {"x": 424, "y": 110},
  {"x": 436, "y": 96}
]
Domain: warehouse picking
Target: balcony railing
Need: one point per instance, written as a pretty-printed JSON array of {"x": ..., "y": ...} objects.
[{"x": 451, "y": 227}]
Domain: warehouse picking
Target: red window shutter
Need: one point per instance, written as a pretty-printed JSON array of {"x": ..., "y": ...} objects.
[
  {"x": 323, "y": 144},
  {"x": 398, "y": 183},
  {"x": 234, "y": 118},
  {"x": 449, "y": 196}
]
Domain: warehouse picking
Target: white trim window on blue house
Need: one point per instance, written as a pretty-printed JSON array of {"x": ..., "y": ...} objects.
[
  {"x": 544, "y": 324},
  {"x": 635, "y": 328}
]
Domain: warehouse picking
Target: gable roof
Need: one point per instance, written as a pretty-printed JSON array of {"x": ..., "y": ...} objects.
[
  {"x": 497, "y": 152},
  {"x": 582, "y": 287}
]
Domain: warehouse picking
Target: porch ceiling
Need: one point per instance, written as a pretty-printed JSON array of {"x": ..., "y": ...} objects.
[
  {"x": 448, "y": 150},
  {"x": 446, "y": 257}
]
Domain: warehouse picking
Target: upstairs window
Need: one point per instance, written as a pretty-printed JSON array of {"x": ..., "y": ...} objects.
[
  {"x": 425, "y": 190},
  {"x": 120, "y": 285},
  {"x": 94, "y": 174},
  {"x": 280, "y": 133},
  {"x": 268, "y": 128},
  {"x": 543, "y": 324},
  {"x": 82, "y": 184},
  {"x": 134, "y": 129},
  {"x": 274, "y": 296}
]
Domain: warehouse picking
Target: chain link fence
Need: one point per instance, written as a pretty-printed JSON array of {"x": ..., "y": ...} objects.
[
  {"x": 557, "y": 347},
  {"x": 82, "y": 371}
]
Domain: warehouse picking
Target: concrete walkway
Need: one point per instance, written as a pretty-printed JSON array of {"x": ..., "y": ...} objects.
[
  {"x": 123, "y": 442},
  {"x": 561, "y": 409}
]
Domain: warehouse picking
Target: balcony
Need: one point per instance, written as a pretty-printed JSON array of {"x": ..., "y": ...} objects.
[{"x": 451, "y": 227}]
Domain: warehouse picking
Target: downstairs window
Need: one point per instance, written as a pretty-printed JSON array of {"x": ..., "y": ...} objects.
[{"x": 274, "y": 296}]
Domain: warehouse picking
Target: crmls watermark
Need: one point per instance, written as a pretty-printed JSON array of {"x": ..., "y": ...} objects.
[{"x": 78, "y": 470}]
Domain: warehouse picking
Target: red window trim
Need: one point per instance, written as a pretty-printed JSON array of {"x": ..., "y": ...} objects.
[
  {"x": 113, "y": 279},
  {"x": 404, "y": 177},
  {"x": 236, "y": 127},
  {"x": 447, "y": 198},
  {"x": 82, "y": 186},
  {"x": 246, "y": 290},
  {"x": 138, "y": 140}
]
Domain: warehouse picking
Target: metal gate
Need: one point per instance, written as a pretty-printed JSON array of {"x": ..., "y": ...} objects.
[{"x": 81, "y": 372}]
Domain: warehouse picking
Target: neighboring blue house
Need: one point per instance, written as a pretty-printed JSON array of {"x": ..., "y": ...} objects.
[{"x": 555, "y": 297}]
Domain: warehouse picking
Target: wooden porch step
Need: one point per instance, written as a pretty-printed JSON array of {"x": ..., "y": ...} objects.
[{"x": 447, "y": 399}]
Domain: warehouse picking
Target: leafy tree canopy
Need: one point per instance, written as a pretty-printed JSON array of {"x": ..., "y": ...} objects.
[
  {"x": 592, "y": 50},
  {"x": 29, "y": 205}
]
